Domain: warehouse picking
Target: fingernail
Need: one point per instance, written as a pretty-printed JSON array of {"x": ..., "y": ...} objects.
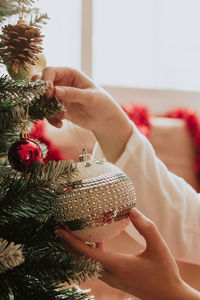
[
  {"x": 134, "y": 213},
  {"x": 66, "y": 227},
  {"x": 58, "y": 233},
  {"x": 59, "y": 92},
  {"x": 59, "y": 125},
  {"x": 50, "y": 88},
  {"x": 50, "y": 84}
]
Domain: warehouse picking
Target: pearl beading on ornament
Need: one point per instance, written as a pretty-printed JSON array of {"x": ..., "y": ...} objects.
[{"x": 93, "y": 201}]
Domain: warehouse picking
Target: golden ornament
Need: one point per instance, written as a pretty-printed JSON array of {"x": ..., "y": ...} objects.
[
  {"x": 96, "y": 204},
  {"x": 40, "y": 64}
]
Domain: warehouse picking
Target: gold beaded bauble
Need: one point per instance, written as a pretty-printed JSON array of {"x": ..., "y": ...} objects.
[
  {"x": 96, "y": 204},
  {"x": 27, "y": 75}
]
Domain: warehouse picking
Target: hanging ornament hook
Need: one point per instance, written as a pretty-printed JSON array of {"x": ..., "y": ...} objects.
[
  {"x": 24, "y": 131},
  {"x": 75, "y": 129},
  {"x": 21, "y": 11},
  {"x": 84, "y": 156}
]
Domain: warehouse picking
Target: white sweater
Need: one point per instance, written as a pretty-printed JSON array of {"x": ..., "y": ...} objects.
[{"x": 162, "y": 196}]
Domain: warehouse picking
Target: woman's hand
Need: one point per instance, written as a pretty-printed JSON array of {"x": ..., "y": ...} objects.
[
  {"x": 149, "y": 274},
  {"x": 90, "y": 107}
]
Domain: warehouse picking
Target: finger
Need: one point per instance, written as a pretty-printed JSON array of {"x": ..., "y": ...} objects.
[
  {"x": 148, "y": 230},
  {"x": 68, "y": 249},
  {"x": 107, "y": 259},
  {"x": 71, "y": 94},
  {"x": 100, "y": 246},
  {"x": 50, "y": 89},
  {"x": 109, "y": 278},
  {"x": 36, "y": 76},
  {"x": 49, "y": 73},
  {"x": 56, "y": 120},
  {"x": 66, "y": 77}
]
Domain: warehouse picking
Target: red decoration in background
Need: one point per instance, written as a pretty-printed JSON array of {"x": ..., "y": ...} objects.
[
  {"x": 192, "y": 122},
  {"x": 24, "y": 154},
  {"x": 38, "y": 132},
  {"x": 141, "y": 116}
]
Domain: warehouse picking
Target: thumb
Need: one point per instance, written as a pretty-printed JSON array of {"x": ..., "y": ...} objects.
[{"x": 148, "y": 230}]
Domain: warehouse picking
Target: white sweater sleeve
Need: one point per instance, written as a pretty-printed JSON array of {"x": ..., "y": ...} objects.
[{"x": 162, "y": 196}]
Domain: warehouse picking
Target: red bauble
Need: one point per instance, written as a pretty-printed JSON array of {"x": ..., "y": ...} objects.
[{"x": 24, "y": 154}]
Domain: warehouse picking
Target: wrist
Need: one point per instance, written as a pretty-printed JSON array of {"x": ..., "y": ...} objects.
[
  {"x": 113, "y": 135},
  {"x": 186, "y": 292},
  {"x": 176, "y": 290},
  {"x": 182, "y": 291}
]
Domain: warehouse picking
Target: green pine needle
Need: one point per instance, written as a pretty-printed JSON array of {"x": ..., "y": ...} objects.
[
  {"x": 38, "y": 20},
  {"x": 15, "y": 97},
  {"x": 25, "y": 2},
  {"x": 7, "y": 9},
  {"x": 10, "y": 255}
]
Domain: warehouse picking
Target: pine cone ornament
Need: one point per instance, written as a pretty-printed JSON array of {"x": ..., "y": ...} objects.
[{"x": 20, "y": 45}]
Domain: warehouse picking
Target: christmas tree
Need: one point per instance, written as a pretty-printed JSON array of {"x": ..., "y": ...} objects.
[{"x": 33, "y": 263}]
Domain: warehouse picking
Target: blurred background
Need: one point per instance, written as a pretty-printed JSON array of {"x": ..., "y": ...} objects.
[{"x": 146, "y": 51}]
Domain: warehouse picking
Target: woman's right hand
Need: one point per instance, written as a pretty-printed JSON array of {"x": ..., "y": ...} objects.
[{"x": 90, "y": 107}]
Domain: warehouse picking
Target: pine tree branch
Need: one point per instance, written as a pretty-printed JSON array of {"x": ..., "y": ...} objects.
[
  {"x": 6, "y": 140},
  {"x": 38, "y": 20},
  {"x": 10, "y": 255},
  {"x": 26, "y": 201},
  {"x": 7, "y": 8},
  {"x": 36, "y": 291},
  {"x": 51, "y": 260},
  {"x": 13, "y": 183},
  {"x": 32, "y": 15},
  {"x": 45, "y": 255},
  {"x": 49, "y": 266},
  {"x": 21, "y": 194},
  {"x": 75, "y": 293},
  {"x": 16, "y": 95},
  {"x": 21, "y": 88},
  {"x": 61, "y": 172},
  {"x": 44, "y": 108},
  {"x": 83, "y": 269},
  {"x": 14, "y": 98},
  {"x": 29, "y": 287},
  {"x": 10, "y": 8},
  {"x": 25, "y": 2},
  {"x": 30, "y": 231}
]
